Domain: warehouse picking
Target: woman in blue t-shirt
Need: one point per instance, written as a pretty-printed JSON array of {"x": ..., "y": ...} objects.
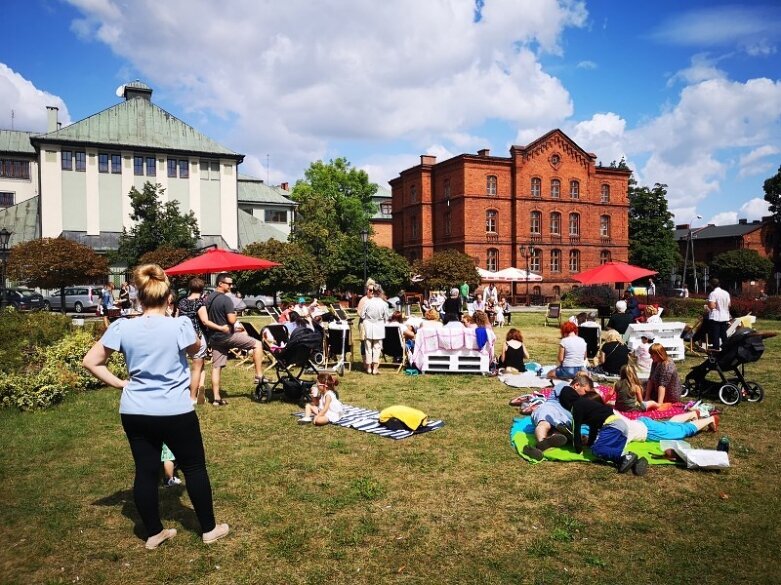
[{"x": 155, "y": 406}]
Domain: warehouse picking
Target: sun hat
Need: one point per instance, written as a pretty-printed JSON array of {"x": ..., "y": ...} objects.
[
  {"x": 621, "y": 306},
  {"x": 301, "y": 300}
]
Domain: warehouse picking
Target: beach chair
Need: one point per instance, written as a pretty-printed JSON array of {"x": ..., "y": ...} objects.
[
  {"x": 339, "y": 311},
  {"x": 393, "y": 347},
  {"x": 339, "y": 336},
  {"x": 553, "y": 314}
]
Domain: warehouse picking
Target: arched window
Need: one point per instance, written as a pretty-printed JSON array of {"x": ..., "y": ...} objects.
[
  {"x": 574, "y": 260},
  {"x": 555, "y": 223},
  {"x": 557, "y": 291},
  {"x": 490, "y": 185},
  {"x": 537, "y": 291},
  {"x": 604, "y": 256},
  {"x": 555, "y": 260},
  {"x": 574, "y": 190},
  {"x": 535, "y": 222},
  {"x": 490, "y": 221},
  {"x": 492, "y": 260},
  {"x": 604, "y": 194},
  {"x": 604, "y": 226},
  {"x": 536, "y": 187},
  {"x": 574, "y": 224},
  {"x": 535, "y": 260},
  {"x": 555, "y": 189}
]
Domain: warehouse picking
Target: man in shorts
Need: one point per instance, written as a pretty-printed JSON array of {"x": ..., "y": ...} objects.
[{"x": 221, "y": 311}]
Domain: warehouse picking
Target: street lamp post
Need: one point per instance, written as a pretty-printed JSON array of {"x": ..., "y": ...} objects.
[
  {"x": 690, "y": 246},
  {"x": 526, "y": 251},
  {"x": 5, "y": 237},
  {"x": 365, "y": 240}
]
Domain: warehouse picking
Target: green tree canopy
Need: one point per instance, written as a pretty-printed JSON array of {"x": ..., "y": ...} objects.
[
  {"x": 158, "y": 224},
  {"x": 448, "y": 269},
  {"x": 652, "y": 242},
  {"x": 165, "y": 256},
  {"x": 772, "y": 187},
  {"x": 737, "y": 266},
  {"x": 56, "y": 263},
  {"x": 298, "y": 271}
]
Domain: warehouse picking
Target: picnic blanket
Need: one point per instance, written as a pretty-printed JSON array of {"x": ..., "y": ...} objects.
[
  {"x": 522, "y": 434},
  {"x": 367, "y": 420}
]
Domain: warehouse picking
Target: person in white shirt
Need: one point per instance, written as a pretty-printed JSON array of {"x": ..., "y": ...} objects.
[
  {"x": 374, "y": 315},
  {"x": 719, "y": 316}
]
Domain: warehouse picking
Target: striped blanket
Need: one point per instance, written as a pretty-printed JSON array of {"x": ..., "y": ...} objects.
[{"x": 366, "y": 420}]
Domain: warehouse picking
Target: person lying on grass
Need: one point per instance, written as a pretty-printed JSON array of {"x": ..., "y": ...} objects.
[{"x": 548, "y": 417}]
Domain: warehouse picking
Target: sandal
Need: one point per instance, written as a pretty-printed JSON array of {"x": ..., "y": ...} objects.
[{"x": 220, "y": 402}]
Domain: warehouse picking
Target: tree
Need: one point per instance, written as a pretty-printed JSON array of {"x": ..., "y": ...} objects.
[
  {"x": 772, "y": 187},
  {"x": 738, "y": 266},
  {"x": 165, "y": 256},
  {"x": 56, "y": 263},
  {"x": 158, "y": 224},
  {"x": 298, "y": 271},
  {"x": 652, "y": 242},
  {"x": 448, "y": 269}
]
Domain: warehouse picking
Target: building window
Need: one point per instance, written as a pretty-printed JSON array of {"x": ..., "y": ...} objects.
[
  {"x": 535, "y": 260},
  {"x": 574, "y": 224},
  {"x": 555, "y": 189},
  {"x": 492, "y": 260},
  {"x": 604, "y": 256},
  {"x": 555, "y": 260},
  {"x": 604, "y": 226},
  {"x": 102, "y": 163},
  {"x": 448, "y": 223},
  {"x": 171, "y": 167},
  {"x": 574, "y": 260},
  {"x": 446, "y": 188},
  {"x": 555, "y": 223},
  {"x": 15, "y": 169},
  {"x": 275, "y": 215},
  {"x": 6, "y": 199},
  {"x": 184, "y": 169},
  {"x": 210, "y": 169},
  {"x": 151, "y": 166},
  {"x": 138, "y": 165},
  {"x": 413, "y": 194},
  {"x": 535, "y": 222},
  {"x": 605, "y": 194},
  {"x": 413, "y": 227},
  {"x": 536, "y": 187},
  {"x": 116, "y": 164},
  {"x": 490, "y": 185},
  {"x": 490, "y": 221},
  {"x": 557, "y": 291},
  {"x": 67, "y": 160},
  {"x": 81, "y": 161},
  {"x": 536, "y": 291},
  {"x": 574, "y": 190}
]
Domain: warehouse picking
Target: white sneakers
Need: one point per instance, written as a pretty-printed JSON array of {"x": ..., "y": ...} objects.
[
  {"x": 154, "y": 541},
  {"x": 304, "y": 420}
]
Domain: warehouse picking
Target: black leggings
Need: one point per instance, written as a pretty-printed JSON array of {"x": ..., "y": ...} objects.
[{"x": 182, "y": 434}]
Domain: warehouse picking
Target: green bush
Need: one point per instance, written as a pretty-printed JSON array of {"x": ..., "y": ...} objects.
[
  {"x": 31, "y": 392},
  {"x": 24, "y": 332},
  {"x": 589, "y": 297}
]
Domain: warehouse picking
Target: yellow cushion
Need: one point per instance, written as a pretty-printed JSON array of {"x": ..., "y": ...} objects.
[{"x": 411, "y": 417}]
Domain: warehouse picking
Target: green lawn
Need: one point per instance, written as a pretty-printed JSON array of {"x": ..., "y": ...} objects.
[{"x": 332, "y": 505}]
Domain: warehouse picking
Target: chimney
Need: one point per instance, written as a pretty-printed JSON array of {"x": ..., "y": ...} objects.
[
  {"x": 682, "y": 226},
  {"x": 484, "y": 152},
  {"x": 52, "y": 123},
  {"x": 284, "y": 186},
  {"x": 742, "y": 221},
  {"x": 756, "y": 221},
  {"x": 428, "y": 159}
]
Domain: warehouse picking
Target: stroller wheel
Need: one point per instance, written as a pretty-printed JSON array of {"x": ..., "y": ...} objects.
[
  {"x": 729, "y": 394},
  {"x": 754, "y": 392},
  {"x": 263, "y": 392}
]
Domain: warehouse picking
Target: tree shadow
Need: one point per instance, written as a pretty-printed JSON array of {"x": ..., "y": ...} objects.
[{"x": 171, "y": 508}]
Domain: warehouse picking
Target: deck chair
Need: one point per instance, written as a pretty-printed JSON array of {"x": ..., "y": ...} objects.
[
  {"x": 335, "y": 336},
  {"x": 553, "y": 314},
  {"x": 393, "y": 347},
  {"x": 591, "y": 336},
  {"x": 339, "y": 311},
  {"x": 280, "y": 335},
  {"x": 243, "y": 356}
]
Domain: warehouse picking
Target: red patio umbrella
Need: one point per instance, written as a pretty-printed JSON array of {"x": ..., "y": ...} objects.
[
  {"x": 216, "y": 260},
  {"x": 612, "y": 272}
]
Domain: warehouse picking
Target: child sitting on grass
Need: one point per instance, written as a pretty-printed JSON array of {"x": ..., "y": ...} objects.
[
  {"x": 325, "y": 406},
  {"x": 514, "y": 352}
]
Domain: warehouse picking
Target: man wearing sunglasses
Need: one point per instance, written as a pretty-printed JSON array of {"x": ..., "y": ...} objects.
[{"x": 222, "y": 311}]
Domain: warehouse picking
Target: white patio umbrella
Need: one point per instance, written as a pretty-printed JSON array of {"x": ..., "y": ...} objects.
[{"x": 516, "y": 275}]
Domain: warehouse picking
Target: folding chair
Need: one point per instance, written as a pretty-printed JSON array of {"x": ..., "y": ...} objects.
[
  {"x": 339, "y": 343},
  {"x": 553, "y": 314},
  {"x": 241, "y": 354},
  {"x": 339, "y": 311},
  {"x": 393, "y": 346}
]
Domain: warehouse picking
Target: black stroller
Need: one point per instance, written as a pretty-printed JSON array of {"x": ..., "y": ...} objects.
[
  {"x": 292, "y": 362},
  {"x": 742, "y": 347}
]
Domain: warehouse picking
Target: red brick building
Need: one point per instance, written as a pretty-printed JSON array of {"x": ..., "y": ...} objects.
[{"x": 549, "y": 195}]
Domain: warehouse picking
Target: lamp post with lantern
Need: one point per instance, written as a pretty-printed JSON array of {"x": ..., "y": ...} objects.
[
  {"x": 5, "y": 237},
  {"x": 526, "y": 251}
]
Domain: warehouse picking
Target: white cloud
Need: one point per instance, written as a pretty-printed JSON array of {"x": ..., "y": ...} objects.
[
  {"x": 27, "y": 102},
  {"x": 587, "y": 65},
  {"x": 755, "y": 208},
  {"x": 603, "y": 134},
  {"x": 725, "y": 218},
  {"x": 703, "y": 67},
  {"x": 754, "y": 162}
]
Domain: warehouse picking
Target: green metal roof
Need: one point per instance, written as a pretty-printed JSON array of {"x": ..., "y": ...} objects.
[
  {"x": 382, "y": 195},
  {"x": 251, "y": 229},
  {"x": 252, "y": 190},
  {"x": 139, "y": 124},
  {"x": 14, "y": 141},
  {"x": 22, "y": 220}
]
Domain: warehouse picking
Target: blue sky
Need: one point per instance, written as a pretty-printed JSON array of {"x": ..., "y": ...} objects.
[{"x": 688, "y": 92}]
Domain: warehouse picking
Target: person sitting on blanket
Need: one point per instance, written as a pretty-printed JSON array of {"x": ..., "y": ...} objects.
[
  {"x": 572, "y": 353},
  {"x": 325, "y": 406},
  {"x": 618, "y": 431},
  {"x": 664, "y": 385},
  {"x": 514, "y": 352},
  {"x": 547, "y": 418},
  {"x": 629, "y": 392}
]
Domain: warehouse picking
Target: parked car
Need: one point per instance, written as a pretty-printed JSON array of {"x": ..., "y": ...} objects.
[
  {"x": 258, "y": 301},
  {"x": 77, "y": 298},
  {"x": 23, "y": 299}
]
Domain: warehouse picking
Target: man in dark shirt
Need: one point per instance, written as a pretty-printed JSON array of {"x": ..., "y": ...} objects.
[
  {"x": 222, "y": 311},
  {"x": 621, "y": 319}
]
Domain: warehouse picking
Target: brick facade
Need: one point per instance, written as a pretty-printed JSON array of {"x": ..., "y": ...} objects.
[
  {"x": 483, "y": 205},
  {"x": 383, "y": 233}
]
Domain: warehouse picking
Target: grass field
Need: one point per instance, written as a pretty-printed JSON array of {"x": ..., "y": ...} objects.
[{"x": 332, "y": 505}]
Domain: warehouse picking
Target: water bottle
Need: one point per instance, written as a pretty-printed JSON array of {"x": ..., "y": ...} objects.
[{"x": 723, "y": 445}]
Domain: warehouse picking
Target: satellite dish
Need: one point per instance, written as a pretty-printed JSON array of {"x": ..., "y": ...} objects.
[{"x": 120, "y": 90}]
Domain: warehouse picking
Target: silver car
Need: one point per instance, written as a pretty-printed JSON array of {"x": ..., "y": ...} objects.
[{"x": 77, "y": 298}]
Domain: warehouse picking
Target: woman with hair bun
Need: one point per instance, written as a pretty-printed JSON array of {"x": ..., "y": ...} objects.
[{"x": 155, "y": 406}]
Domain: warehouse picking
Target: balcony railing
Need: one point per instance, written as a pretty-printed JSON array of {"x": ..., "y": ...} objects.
[
  {"x": 574, "y": 240},
  {"x": 491, "y": 237}
]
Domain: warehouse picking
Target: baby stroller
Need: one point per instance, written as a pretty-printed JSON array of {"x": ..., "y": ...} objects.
[
  {"x": 293, "y": 361},
  {"x": 742, "y": 347}
]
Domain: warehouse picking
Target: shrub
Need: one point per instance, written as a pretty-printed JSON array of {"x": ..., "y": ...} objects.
[
  {"x": 23, "y": 332},
  {"x": 589, "y": 296},
  {"x": 769, "y": 309},
  {"x": 31, "y": 392}
]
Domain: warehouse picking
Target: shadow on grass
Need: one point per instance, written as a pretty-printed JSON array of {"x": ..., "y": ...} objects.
[{"x": 171, "y": 508}]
